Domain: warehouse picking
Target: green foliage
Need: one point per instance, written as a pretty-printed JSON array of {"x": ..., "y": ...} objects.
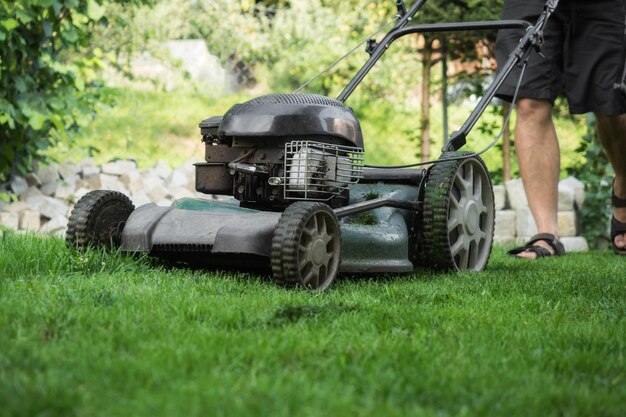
[
  {"x": 146, "y": 126},
  {"x": 108, "y": 335},
  {"x": 46, "y": 90},
  {"x": 597, "y": 175}
]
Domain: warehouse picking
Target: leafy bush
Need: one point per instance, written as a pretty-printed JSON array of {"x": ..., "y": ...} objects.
[
  {"x": 46, "y": 89},
  {"x": 596, "y": 173}
]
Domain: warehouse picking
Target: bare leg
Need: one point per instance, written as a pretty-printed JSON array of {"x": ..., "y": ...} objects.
[
  {"x": 539, "y": 159},
  {"x": 612, "y": 136}
]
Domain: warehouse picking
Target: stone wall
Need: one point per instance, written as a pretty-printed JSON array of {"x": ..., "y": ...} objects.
[
  {"x": 515, "y": 224},
  {"x": 46, "y": 198}
]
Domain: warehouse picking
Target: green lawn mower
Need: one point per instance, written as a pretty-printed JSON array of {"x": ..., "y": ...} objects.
[{"x": 305, "y": 206}]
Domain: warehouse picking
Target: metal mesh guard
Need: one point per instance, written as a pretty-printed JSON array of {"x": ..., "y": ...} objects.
[{"x": 319, "y": 171}]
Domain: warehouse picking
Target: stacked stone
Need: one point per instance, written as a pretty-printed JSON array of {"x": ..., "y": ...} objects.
[
  {"x": 46, "y": 197},
  {"x": 514, "y": 221}
]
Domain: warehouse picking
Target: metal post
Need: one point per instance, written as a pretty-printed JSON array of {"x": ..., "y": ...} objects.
[{"x": 444, "y": 85}]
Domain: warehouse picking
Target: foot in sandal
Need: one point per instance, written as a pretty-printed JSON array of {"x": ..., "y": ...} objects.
[
  {"x": 539, "y": 246},
  {"x": 618, "y": 227}
]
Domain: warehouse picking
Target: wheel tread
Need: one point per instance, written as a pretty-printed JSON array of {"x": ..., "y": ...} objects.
[
  {"x": 437, "y": 253},
  {"x": 285, "y": 243},
  {"x": 82, "y": 217}
]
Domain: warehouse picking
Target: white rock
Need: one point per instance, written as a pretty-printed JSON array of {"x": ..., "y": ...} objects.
[
  {"x": 93, "y": 181},
  {"x": 505, "y": 225},
  {"x": 49, "y": 188},
  {"x": 575, "y": 244},
  {"x": 499, "y": 196},
  {"x": 524, "y": 223},
  {"x": 579, "y": 190},
  {"x": 9, "y": 220},
  {"x": 87, "y": 162},
  {"x": 521, "y": 240},
  {"x": 30, "y": 220},
  {"x": 47, "y": 206},
  {"x": 566, "y": 197},
  {"x": 132, "y": 181},
  {"x": 80, "y": 193},
  {"x": 17, "y": 206},
  {"x": 164, "y": 203},
  {"x": 504, "y": 241},
  {"x": 19, "y": 185},
  {"x": 80, "y": 183},
  {"x": 48, "y": 174},
  {"x": 88, "y": 171},
  {"x": 140, "y": 198},
  {"x": 57, "y": 225},
  {"x": 150, "y": 175},
  {"x": 65, "y": 191},
  {"x": 162, "y": 169},
  {"x": 33, "y": 191},
  {"x": 567, "y": 223},
  {"x": 69, "y": 170},
  {"x": 516, "y": 194},
  {"x": 179, "y": 178},
  {"x": 32, "y": 179},
  {"x": 157, "y": 193},
  {"x": 118, "y": 167},
  {"x": 112, "y": 182},
  {"x": 180, "y": 192}
]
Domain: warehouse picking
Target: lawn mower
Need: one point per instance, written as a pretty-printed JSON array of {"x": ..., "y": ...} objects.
[{"x": 302, "y": 202}]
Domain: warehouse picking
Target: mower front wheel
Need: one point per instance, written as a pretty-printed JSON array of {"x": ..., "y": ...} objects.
[
  {"x": 97, "y": 220},
  {"x": 306, "y": 247}
]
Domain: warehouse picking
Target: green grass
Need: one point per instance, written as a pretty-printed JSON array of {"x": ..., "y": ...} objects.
[
  {"x": 146, "y": 126},
  {"x": 107, "y": 335}
]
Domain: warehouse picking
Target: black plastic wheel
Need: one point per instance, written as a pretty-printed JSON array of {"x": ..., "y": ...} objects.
[
  {"x": 98, "y": 219},
  {"x": 459, "y": 215},
  {"x": 306, "y": 248}
]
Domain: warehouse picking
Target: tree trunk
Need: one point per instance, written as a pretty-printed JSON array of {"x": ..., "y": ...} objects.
[
  {"x": 425, "y": 117},
  {"x": 506, "y": 145}
]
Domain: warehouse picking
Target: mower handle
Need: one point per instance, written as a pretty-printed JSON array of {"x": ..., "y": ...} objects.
[
  {"x": 401, "y": 7},
  {"x": 533, "y": 39}
]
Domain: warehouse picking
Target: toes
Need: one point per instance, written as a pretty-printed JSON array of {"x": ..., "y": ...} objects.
[
  {"x": 527, "y": 255},
  {"x": 620, "y": 241}
]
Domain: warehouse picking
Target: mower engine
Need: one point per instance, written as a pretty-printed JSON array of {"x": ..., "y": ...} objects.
[{"x": 280, "y": 148}]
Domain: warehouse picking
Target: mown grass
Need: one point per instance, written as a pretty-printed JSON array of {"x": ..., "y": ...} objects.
[{"x": 105, "y": 335}]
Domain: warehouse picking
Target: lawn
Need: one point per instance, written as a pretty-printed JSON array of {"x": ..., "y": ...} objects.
[{"x": 107, "y": 335}]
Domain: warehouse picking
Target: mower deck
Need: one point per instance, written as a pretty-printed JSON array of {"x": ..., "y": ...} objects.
[{"x": 220, "y": 233}]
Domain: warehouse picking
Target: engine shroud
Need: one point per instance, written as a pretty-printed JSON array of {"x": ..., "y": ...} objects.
[
  {"x": 250, "y": 145},
  {"x": 293, "y": 115}
]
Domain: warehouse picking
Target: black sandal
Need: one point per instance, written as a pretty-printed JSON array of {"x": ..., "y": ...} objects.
[
  {"x": 617, "y": 227},
  {"x": 541, "y": 252}
]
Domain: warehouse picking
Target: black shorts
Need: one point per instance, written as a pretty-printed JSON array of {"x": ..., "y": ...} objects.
[{"x": 584, "y": 48}]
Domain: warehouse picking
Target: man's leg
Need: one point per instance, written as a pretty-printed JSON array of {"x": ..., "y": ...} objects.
[
  {"x": 612, "y": 136},
  {"x": 539, "y": 160}
]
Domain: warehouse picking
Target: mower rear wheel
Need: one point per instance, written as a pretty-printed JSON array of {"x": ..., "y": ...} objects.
[
  {"x": 458, "y": 218},
  {"x": 306, "y": 247},
  {"x": 98, "y": 219}
]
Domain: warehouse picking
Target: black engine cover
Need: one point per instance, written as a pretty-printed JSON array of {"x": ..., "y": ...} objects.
[{"x": 293, "y": 115}]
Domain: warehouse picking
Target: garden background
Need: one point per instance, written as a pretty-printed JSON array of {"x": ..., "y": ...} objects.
[{"x": 101, "y": 334}]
